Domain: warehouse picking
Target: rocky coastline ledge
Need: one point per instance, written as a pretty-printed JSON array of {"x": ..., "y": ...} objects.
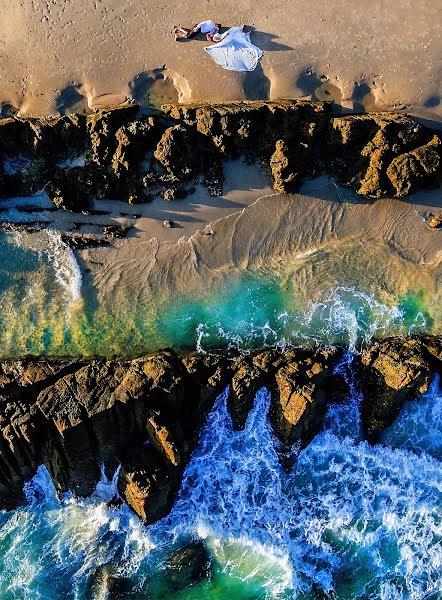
[
  {"x": 144, "y": 415},
  {"x": 126, "y": 154}
]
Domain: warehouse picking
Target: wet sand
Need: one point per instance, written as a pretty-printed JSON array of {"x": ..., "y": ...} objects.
[
  {"x": 310, "y": 266},
  {"x": 60, "y": 56},
  {"x": 386, "y": 242},
  {"x": 243, "y": 185}
]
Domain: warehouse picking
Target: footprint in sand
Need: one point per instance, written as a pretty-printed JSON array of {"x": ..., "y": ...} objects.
[{"x": 319, "y": 88}]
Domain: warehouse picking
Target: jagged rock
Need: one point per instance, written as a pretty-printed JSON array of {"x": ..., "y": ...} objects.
[
  {"x": 16, "y": 137},
  {"x": 136, "y": 198},
  {"x": 176, "y": 151},
  {"x": 166, "y": 438},
  {"x": 116, "y": 231},
  {"x": 250, "y": 126},
  {"x": 146, "y": 414},
  {"x": 173, "y": 193},
  {"x": 433, "y": 348},
  {"x": 415, "y": 168},
  {"x": 246, "y": 381},
  {"x": 394, "y": 370},
  {"x": 213, "y": 174},
  {"x": 299, "y": 405},
  {"x": 64, "y": 196},
  {"x": 382, "y": 153},
  {"x": 134, "y": 140},
  {"x": 132, "y": 157},
  {"x": 168, "y": 224},
  {"x": 73, "y": 189},
  {"x": 59, "y": 138},
  {"x": 214, "y": 371},
  {"x": 147, "y": 483},
  {"x": 23, "y": 429},
  {"x": 102, "y": 127},
  {"x": 283, "y": 167}
]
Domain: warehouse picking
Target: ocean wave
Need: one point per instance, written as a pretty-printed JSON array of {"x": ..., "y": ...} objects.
[{"x": 349, "y": 520}]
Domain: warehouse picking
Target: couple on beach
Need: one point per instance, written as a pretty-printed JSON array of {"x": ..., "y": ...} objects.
[
  {"x": 233, "y": 49},
  {"x": 209, "y": 27}
]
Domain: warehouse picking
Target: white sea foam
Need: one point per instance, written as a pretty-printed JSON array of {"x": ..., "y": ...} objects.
[
  {"x": 344, "y": 315},
  {"x": 66, "y": 267},
  {"x": 354, "y": 315},
  {"x": 49, "y": 245},
  {"x": 350, "y": 520}
]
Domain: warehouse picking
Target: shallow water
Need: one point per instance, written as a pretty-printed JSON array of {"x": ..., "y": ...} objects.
[
  {"x": 349, "y": 520},
  {"x": 50, "y": 306}
]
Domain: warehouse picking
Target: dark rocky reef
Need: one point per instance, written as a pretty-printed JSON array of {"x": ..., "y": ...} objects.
[
  {"x": 125, "y": 154},
  {"x": 145, "y": 414},
  {"x": 383, "y": 153},
  {"x": 393, "y": 371}
]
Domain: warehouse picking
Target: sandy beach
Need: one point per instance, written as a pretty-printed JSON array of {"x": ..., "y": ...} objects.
[
  {"x": 62, "y": 56},
  {"x": 221, "y": 300}
]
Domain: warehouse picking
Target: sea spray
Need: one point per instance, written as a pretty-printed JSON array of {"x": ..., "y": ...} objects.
[
  {"x": 48, "y": 244},
  {"x": 66, "y": 267},
  {"x": 343, "y": 315},
  {"x": 419, "y": 425},
  {"x": 350, "y": 520}
]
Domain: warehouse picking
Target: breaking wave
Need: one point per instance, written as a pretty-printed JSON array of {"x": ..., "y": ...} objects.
[{"x": 349, "y": 520}]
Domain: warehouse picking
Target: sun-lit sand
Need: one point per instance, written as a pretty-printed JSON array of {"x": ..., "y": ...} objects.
[{"x": 60, "y": 55}]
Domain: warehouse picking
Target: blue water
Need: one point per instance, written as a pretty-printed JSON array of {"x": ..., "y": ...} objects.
[{"x": 349, "y": 520}]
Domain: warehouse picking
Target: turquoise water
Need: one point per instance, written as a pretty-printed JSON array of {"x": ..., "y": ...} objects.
[
  {"x": 349, "y": 520},
  {"x": 50, "y": 308}
]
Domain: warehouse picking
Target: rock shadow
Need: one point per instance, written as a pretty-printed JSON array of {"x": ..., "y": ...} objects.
[
  {"x": 70, "y": 99},
  {"x": 152, "y": 89},
  {"x": 363, "y": 98},
  {"x": 360, "y": 92},
  {"x": 432, "y": 102},
  {"x": 319, "y": 88},
  {"x": 7, "y": 109}
]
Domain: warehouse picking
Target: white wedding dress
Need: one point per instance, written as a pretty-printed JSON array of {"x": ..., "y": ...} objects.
[{"x": 235, "y": 51}]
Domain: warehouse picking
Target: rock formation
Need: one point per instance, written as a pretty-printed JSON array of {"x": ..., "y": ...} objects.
[
  {"x": 144, "y": 415},
  {"x": 125, "y": 154},
  {"x": 393, "y": 371},
  {"x": 383, "y": 153}
]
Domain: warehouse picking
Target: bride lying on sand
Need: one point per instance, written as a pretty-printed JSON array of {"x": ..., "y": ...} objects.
[
  {"x": 209, "y": 27},
  {"x": 233, "y": 49}
]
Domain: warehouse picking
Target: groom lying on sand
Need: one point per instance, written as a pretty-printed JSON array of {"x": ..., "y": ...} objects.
[{"x": 210, "y": 28}]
